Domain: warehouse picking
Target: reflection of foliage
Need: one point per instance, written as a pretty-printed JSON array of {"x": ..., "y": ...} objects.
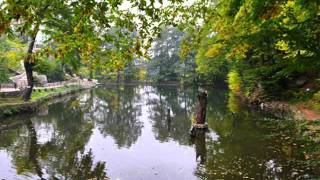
[
  {"x": 118, "y": 117},
  {"x": 239, "y": 145},
  {"x": 66, "y": 134},
  {"x": 180, "y": 104},
  {"x": 71, "y": 133},
  {"x": 82, "y": 168},
  {"x": 233, "y": 103},
  {"x": 255, "y": 149},
  {"x": 9, "y": 132}
]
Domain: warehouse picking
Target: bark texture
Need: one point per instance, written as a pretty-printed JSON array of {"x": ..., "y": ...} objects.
[
  {"x": 202, "y": 108},
  {"x": 28, "y": 65}
]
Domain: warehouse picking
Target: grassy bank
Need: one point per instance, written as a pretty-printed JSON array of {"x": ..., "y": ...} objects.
[
  {"x": 38, "y": 94},
  {"x": 11, "y": 106}
]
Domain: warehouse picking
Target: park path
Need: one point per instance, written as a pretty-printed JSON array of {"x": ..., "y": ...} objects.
[
  {"x": 9, "y": 89},
  {"x": 51, "y": 85}
]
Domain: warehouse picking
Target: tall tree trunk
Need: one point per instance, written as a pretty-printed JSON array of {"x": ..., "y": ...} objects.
[
  {"x": 28, "y": 65},
  {"x": 29, "y": 60}
]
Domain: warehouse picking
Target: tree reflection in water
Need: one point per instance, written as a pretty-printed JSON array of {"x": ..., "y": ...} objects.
[
  {"x": 240, "y": 143},
  {"x": 180, "y": 103},
  {"x": 248, "y": 147},
  {"x": 59, "y": 153},
  {"x": 118, "y": 112}
]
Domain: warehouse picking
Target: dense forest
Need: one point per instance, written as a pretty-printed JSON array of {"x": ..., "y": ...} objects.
[{"x": 263, "y": 49}]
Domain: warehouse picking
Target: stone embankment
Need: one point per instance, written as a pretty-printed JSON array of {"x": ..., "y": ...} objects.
[{"x": 8, "y": 109}]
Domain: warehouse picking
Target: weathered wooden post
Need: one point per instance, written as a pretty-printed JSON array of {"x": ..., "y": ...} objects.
[
  {"x": 200, "y": 123},
  {"x": 168, "y": 119},
  {"x": 202, "y": 106}
]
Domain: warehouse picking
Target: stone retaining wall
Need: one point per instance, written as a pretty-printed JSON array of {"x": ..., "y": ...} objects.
[
  {"x": 32, "y": 106},
  {"x": 10, "y": 94}
]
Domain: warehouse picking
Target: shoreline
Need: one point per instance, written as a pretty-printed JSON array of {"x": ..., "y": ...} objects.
[
  {"x": 284, "y": 109},
  {"x": 165, "y": 83},
  {"x": 280, "y": 109},
  {"x": 10, "y": 109}
]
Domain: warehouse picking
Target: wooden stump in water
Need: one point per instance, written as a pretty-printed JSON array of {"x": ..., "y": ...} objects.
[
  {"x": 201, "y": 114},
  {"x": 168, "y": 119},
  {"x": 201, "y": 109}
]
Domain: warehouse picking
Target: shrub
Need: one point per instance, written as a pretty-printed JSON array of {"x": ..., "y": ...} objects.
[{"x": 52, "y": 69}]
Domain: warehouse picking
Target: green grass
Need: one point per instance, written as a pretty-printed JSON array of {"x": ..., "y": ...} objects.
[
  {"x": 43, "y": 93},
  {"x": 10, "y": 100},
  {"x": 36, "y": 95}
]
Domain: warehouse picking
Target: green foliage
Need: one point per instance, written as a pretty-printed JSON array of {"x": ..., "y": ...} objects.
[
  {"x": 171, "y": 58},
  {"x": 90, "y": 38},
  {"x": 11, "y": 54},
  {"x": 10, "y": 111},
  {"x": 52, "y": 69},
  {"x": 234, "y": 82},
  {"x": 165, "y": 58},
  {"x": 313, "y": 101},
  {"x": 270, "y": 43}
]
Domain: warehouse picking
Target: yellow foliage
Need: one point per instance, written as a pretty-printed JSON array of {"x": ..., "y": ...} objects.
[
  {"x": 286, "y": 7},
  {"x": 234, "y": 81},
  {"x": 283, "y": 46},
  {"x": 286, "y": 21},
  {"x": 185, "y": 49},
  {"x": 214, "y": 50},
  {"x": 290, "y": 4},
  {"x": 241, "y": 13},
  {"x": 11, "y": 55},
  {"x": 233, "y": 103},
  {"x": 142, "y": 74},
  {"x": 238, "y": 52}
]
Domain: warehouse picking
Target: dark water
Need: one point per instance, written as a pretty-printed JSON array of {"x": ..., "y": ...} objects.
[{"x": 127, "y": 133}]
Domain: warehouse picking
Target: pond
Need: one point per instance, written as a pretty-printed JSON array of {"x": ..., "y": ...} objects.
[{"x": 142, "y": 132}]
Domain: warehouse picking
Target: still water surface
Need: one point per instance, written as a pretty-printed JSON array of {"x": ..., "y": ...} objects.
[{"x": 126, "y": 132}]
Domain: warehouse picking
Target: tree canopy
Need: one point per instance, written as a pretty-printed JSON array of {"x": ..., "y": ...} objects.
[{"x": 272, "y": 46}]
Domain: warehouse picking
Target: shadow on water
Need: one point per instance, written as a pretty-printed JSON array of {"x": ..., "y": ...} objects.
[{"x": 142, "y": 132}]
